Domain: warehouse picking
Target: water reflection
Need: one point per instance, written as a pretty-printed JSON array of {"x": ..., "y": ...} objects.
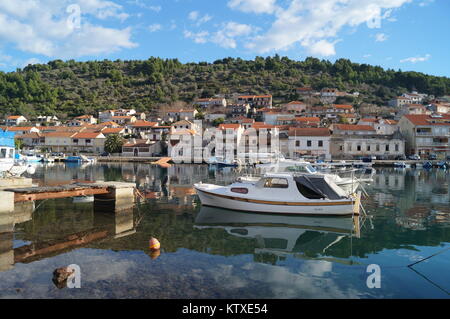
[
  {"x": 216, "y": 251},
  {"x": 281, "y": 235}
]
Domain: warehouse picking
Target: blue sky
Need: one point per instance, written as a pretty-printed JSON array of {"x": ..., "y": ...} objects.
[{"x": 398, "y": 34}]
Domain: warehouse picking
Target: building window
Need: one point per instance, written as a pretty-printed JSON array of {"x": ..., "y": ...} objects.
[
  {"x": 297, "y": 143},
  {"x": 378, "y": 147},
  {"x": 397, "y": 147},
  {"x": 308, "y": 143},
  {"x": 358, "y": 148},
  {"x": 368, "y": 148},
  {"x": 320, "y": 143},
  {"x": 387, "y": 147}
]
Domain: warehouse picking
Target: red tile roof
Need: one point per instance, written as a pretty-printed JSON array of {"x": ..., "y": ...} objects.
[
  {"x": 229, "y": 126},
  {"x": 350, "y": 127},
  {"x": 424, "y": 119},
  {"x": 86, "y": 135},
  {"x": 307, "y": 119},
  {"x": 142, "y": 123},
  {"x": 343, "y": 106}
]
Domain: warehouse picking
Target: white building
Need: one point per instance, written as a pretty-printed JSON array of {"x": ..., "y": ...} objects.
[{"x": 309, "y": 142}]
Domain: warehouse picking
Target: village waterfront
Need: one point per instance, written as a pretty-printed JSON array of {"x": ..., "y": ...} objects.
[{"x": 212, "y": 253}]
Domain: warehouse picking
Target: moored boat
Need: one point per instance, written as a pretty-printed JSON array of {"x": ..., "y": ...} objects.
[{"x": 283, "y": 194}]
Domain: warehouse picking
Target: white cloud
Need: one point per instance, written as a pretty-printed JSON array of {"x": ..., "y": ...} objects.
[
  {"x": 198, "y": 37},
  {"x": 367, "y": 56},
  {"x": 154, "y": 27},
  {"x": 42, "y": 27},
  {"x": 254, "y": 6},
  {"x": 381, "y": 37},
  {"x": 141, "y": 4},
  {"x": 195, "y": 16},
  {"x": 425, "y": 3},
  {"x": 225, "y": 37},
  {"x": 315, "y": 23},
  {"x": 417, "y": 59},
  {"x": 322, "y": 48}
]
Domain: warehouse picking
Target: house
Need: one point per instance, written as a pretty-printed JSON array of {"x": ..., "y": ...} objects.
[
  {"x": 309, "y": 142},
  {"x": 114, "y": 130},
  {"x": 123, "y": 119},
  {"x": 400, "y": 101},
  {"x": 183, "y": 125},
  {"x": 382, "y": 126},
  {"x": 142, "y": 126},
  {"x": 43, "y": 119},
  {"x": 15, "y": 120},
  {"x": 440, "y": 107},
  {"x": 348, "y": 129},
  {"x": 328, "y": 95},
  {"x": 141, "y": 148},
  {"x": 212, "y": 116},
  {"x": 271, "y": 117},
  {"x": 106, "y": 116},
  {"x": 414, "y": 97},
  {"x": 58, "y": 141},
  {"x": 75, "y": 123},
  {"x": 294, "y": 107},
  {"x": 347, "y": 118},
  {"x": 231, "y": 139},
  {"x": 355, "y": 146},
  {"x": 239, "y": 110},
  {"x": 88, "y": 142},
  {"x": 185, "y": 146},
  {"x": 32, "y": 140},
  {"x": 426, "y": 134},
  {"x": 256, "y": 101},
  {"x": 88, "y": 119},
  {"x": 23, "y": 129},
  {"x": 210, "y": 102},
  {"x": 174, "y": 115},
  {"x": 306, "y": 121}
]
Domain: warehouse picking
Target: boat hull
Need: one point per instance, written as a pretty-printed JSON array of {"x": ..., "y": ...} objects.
[{"x": 325, "y": 208}]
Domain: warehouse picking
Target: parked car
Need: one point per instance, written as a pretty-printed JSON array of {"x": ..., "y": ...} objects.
[
  {"x": 104, "y": 154},
  {"x": 400, "y": 158},
  {"x": 432, "y": 157},
  {"x": 414, "y": 157}
]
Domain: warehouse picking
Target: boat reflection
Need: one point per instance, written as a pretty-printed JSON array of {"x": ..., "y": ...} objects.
[{"x": 282, "y": 235}]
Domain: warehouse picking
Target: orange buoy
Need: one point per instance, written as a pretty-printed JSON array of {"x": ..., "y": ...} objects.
[{"x": 154, "y": 244}]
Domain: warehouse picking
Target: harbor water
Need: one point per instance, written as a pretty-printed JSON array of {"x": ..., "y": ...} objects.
[{"x": 213, "y": 253}]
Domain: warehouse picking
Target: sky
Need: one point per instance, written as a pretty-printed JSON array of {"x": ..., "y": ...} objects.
[{"x": 411, "y": 35}]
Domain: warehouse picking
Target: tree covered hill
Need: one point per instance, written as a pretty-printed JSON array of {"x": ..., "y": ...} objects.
[{"x": 73, "y": 88}]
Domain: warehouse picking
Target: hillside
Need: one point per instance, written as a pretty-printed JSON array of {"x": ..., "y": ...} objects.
[{"x": 73, "y": 88}]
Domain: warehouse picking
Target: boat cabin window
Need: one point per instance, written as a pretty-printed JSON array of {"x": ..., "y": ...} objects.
[
  {"x": 3, "y": 153},
  {"x": 240, "y": 190},
  {"x": 276, "y": 183}
]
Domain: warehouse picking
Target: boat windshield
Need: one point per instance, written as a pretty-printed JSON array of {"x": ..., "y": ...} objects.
[{"x": 302, "y": 169}]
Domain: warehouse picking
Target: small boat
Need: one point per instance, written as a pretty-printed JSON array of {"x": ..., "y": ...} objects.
[
  {"x": 427, "y": 165},
  {"x": 220, "y": 161},
  {"x": 442, "y": 165},
  {"x": 80, "y": 159},
  {"x": 401, "y": 165},
  {"x": 283, "y": 194}
]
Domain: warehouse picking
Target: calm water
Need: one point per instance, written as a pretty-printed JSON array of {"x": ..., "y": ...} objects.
[{"x": 209, "y": 253}]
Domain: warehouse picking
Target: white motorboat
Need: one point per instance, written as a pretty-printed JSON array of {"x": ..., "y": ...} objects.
[
  {"x": 348, "y": 184},
  {"x": 283, "y": 194}
]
